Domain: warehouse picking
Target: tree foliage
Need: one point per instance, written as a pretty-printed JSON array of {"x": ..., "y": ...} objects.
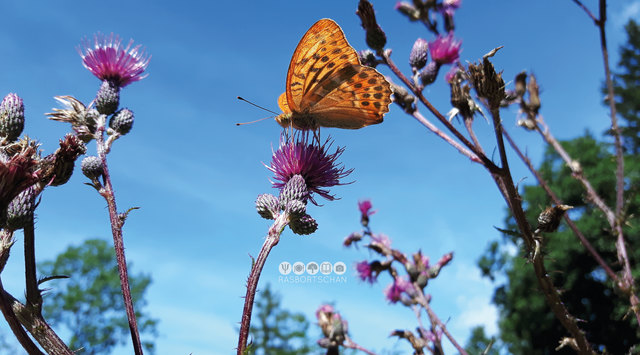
[
  {"x": 627, "y": 88},
  {"x": 526, "y": 322},
  {"x": 277, "y": 331},
  {"x": 89, "y": 303}
]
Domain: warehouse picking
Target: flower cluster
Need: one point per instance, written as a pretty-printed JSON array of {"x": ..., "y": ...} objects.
[
  {"x": 410, "y": 275},
  {"x": 302, "y": 167},
  {"x": 334, "y": 328}
]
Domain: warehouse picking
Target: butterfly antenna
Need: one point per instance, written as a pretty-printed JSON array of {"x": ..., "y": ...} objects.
[
  {"x": 262, "y": 119},
  {"x": 258, "y": 106}
]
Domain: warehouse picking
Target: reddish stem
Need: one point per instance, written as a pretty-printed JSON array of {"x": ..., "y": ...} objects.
[
  {"x": 118, "y": 241},
  {"x": 252, "y": 283},
  {"x": 557, "y": 201}
]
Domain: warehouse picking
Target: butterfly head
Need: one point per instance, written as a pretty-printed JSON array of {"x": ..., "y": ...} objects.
[
  {"x": 284, "y": 119},
  {"x": 299, "y": 121}
]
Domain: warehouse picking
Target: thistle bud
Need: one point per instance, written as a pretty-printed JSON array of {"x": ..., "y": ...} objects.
[
  {"x": 11, "y": 117},
  {"x": 295, "y": 189},
  {"x": 21, "y": 208},
  {"x": 108, "y": 98},
  {"x": 418, "y": 56},
  {"x": 375, "y": 36},
  {"x": 304, "y": 225},
  {"x": 92, "y": 167},
  {"x": 267, "y": 206},
  {"x": 296, "y": 208},
  {"x": 122, "y": 121},
  {"x": 429, "y": 74}
]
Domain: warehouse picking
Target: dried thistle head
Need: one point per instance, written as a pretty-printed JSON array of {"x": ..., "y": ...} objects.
[
  {"x": 487, "y": 82},
  {"x": 549, "y": 219},
  {"x": 57, "y": 168},
  {"x": 83, "y": 119}
]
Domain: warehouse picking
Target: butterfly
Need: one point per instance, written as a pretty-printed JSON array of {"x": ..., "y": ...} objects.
[{"x": 327, "y": 86}]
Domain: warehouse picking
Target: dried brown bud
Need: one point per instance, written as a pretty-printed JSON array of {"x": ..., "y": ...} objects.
[
  {"x": 487, "y": 82},
  {"x": 376, "y": 38},
  {"x": 82, "y": 119},
  {"x": 534, "y": 96},
  {"x": 521, "y": 84},
  {"x": 58, "y": 167},
  {"x": 549, "y": 219}
]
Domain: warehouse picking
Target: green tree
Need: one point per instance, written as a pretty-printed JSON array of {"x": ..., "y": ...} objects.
[
  {"x": 526, "y": 323},
  {"x": 627, "y": 88},
  {"x": 277, "y": 331},
  {"x": 89, "y": 303}
]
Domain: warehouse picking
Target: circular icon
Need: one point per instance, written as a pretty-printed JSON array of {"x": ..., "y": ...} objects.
[
  {"x": 298, "y": 268},
  {"x": 339, "y": 268},
  {"x": 312, "y": 268},
  {"x": 326, "y": 267},
  {"x": 284, "y": 268}
]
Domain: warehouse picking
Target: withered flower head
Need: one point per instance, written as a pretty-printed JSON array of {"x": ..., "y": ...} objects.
[
  {"x": 58, "y": 167},
  {"x": 487, "y": 82},
  {"x": 17, "y": 172},
  {"x": 549, "y": 219},
  {"x": 376, "y": 38},
  {"x": 82, "y": 119}
]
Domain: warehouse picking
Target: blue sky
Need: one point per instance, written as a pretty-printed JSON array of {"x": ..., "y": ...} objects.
[{"x": 196, "y": 175}]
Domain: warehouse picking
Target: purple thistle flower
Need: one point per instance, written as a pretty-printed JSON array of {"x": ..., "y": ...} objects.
[
  {"x": 395, "y": 290},
  {"x": 365, "y": 272},
  {"x": 365, "y": 207},
  {"x": 109, "y": 61},
  {"x": 304, "y": 155},
  {"x": 445, "y": 50}
]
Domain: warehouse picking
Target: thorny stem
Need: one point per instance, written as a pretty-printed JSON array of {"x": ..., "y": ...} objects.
[
  {"x": 422, "y": 300},
  {"x": 5, "y": 304},
  {"x": 118, "y": 242},
  {"x": 508, "y": 190},
  {"x": 14, "y": 324},
  {"x": 615, "y": 220},
  {"x": 273, "y": 237},
  {"x": 620, "y": 242},
  {"x": 603, "y": 264},
  {"x": 627, "y": 283},
  {"x": 32, "y": 320},
  {"x": 33, "y": 297},
  {"x": 485, "y": 161}
]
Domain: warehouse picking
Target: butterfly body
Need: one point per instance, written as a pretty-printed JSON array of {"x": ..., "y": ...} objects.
[{"x": 327, "y": 86}]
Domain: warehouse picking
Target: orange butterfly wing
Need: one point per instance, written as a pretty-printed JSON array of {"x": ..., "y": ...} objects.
[
  {"x": 321, "y": 51},
  {"x": 359, "y": 101},
  {"x": 327, "y": 86}
]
